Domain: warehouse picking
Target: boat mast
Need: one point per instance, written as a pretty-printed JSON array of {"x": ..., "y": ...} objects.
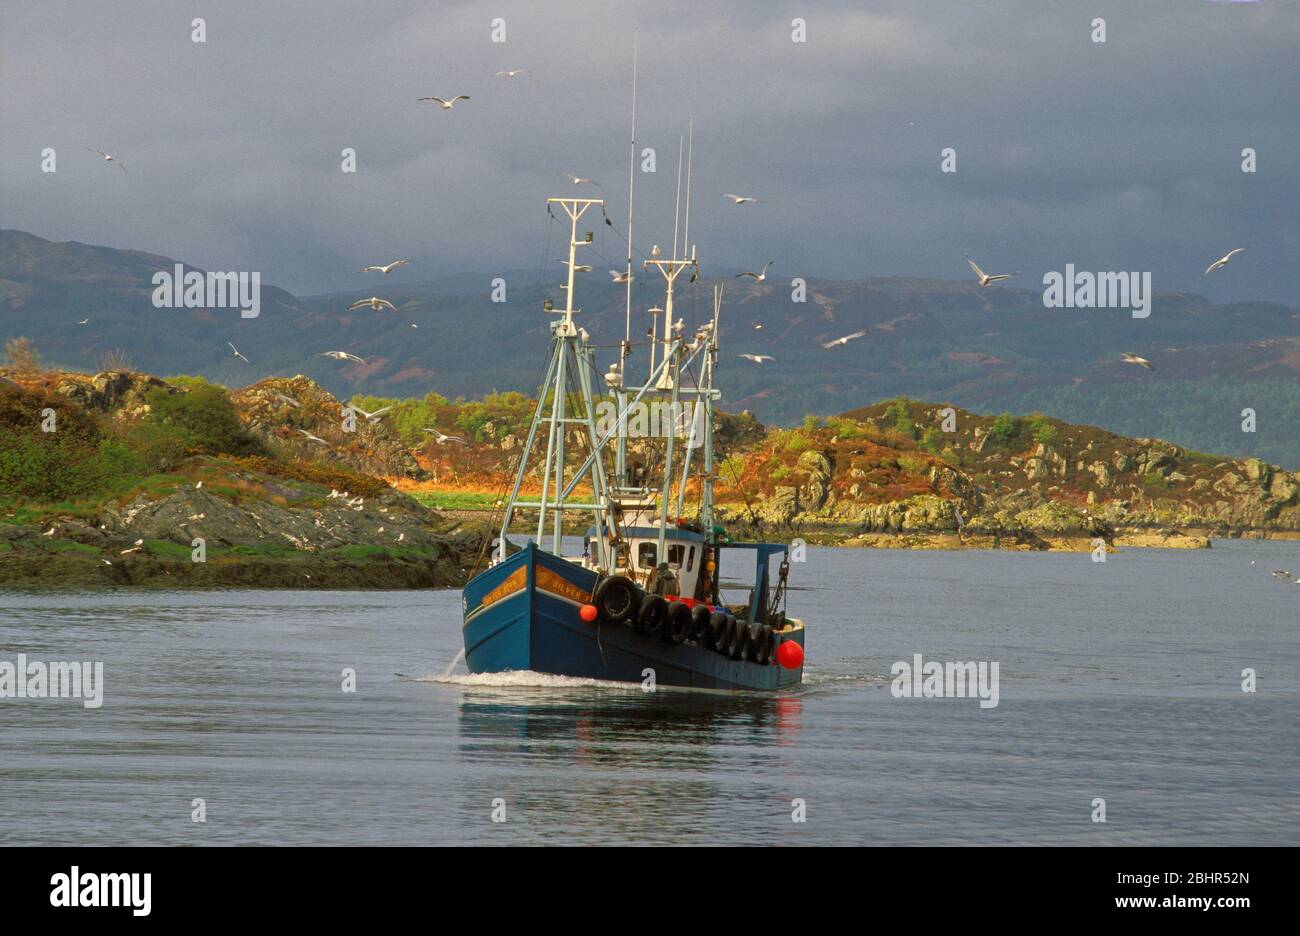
[
  {"x": 620, "y": 456},
  {"x": 570, "y": 355},
  {"x": 670, "y": 378}
]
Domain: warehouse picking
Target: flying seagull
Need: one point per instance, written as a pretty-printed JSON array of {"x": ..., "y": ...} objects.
[
  {"x": 441, "y": 439},
  {"x": 757, "y": 358},
  {"x": 577, "y": 267},
  {"x": 620, "y": 278},
  {"x": 758, "y": 277},
  {"x": 371, "y": 417},
  {"x": 578, "y": 180},
  {"x": 511, "y": 73},
  {"x": 285, "y": 398},
  {"x": 107, "y": 158},
  {"x": 1222, "y": 261},
  {"x": 84, "y": 321},
  {"x": 1131, "y": 358},
  {"x": 312, "y": 438},
  {"x": 376, "y": 268},
  {"x": 238, "y": 355},
  {"x": 843, "y": 340},
  {"x": 341, "y": 356},
  {"x": 758, "y": 326},
  {"x": 740, "y": 199},
  {"x": 447, "y": 105},
  {"x": 374, "y": 302},
  {"x": 985, "y": 279}
]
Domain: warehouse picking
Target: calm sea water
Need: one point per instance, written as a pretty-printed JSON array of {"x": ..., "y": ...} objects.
[{"x": 1119, "y": 681}]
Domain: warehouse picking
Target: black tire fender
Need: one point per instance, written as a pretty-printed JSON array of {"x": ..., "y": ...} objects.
[
  {"x": 652, "y": 616},
  {"x": 617, "y": 600}
]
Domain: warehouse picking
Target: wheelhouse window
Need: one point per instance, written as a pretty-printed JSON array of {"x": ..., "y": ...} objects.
[
  {"x": 675, "y": 556},
  {"x": 690, "y": 558},
  {"x": 647, "y": 555}
]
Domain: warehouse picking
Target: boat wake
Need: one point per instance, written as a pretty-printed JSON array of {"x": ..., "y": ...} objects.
[{"x": 525, "y": 679}]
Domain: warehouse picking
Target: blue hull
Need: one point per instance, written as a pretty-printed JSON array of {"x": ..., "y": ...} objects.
[{"x": 522, "y": 614}]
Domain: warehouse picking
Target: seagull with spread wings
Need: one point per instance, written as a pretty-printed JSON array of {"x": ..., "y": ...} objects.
[
  {"x": 107, "y": 158},
  {"x": 985, "y": 278},
  {"x": 741, "y": 199},
  {"x": 758, "y": 277},
  {"x": 446, "y": 104},
  {"x": 374, "y": 302},
  {"x": 370, "y": 417},
  {"x": 442, "y": 439},
  {"x": 757, "y": 358},
  {"x": 1130, "y": 358},
  {"x": 843, "y": 340},
  {"x": 1222, "y": 261},
  {"x": 342, "y": 356},
  {"x": 386, "y": 269},
  {"x": 238, "y": 355}
]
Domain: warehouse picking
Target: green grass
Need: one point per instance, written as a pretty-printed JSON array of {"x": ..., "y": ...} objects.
[
  {"x": 165, "y": 549},
  {"x": 456, "y": 500}
]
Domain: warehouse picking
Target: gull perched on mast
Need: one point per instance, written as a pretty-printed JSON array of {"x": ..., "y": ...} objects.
[
  {"x": 376, "y": 268},
  {"x": 374, "y": 302},
  {"x": 1222, "y": 261},
  {"x": 445, "y": 104},
  {"x": 985, "y": 278}
]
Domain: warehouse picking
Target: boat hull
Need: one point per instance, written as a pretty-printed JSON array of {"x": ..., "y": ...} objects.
[{"x": 523, "y": 614}]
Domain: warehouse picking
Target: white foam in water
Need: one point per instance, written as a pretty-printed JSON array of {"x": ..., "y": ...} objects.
[
  {"x": 452, "y": 665},
  {"x": 526, "y": 679}
]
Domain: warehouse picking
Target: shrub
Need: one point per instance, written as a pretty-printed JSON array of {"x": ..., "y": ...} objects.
[
  {"x": 21, "y": 355},
  {"x": 898, "y": 414},
  {"x": 204, "y": 419},
  {"x": 1039, "y": 428},
  {"x": 1005, "y": 427}
]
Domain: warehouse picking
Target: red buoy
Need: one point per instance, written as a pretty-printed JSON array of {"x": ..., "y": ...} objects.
[
  {"x": 588, "y": 613},
  {"x": 790, "y": 654}
]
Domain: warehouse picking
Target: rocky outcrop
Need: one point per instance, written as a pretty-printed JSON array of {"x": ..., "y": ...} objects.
[
  {"x": 280, "y": 410},
  {"x": 117, "y": 393}
]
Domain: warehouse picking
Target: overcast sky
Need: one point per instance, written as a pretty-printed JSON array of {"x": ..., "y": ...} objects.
[{"x": 1117, "y": 156}]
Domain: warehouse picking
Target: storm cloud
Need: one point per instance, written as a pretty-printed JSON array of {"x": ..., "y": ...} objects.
[{"x": 1123, "y": 155}]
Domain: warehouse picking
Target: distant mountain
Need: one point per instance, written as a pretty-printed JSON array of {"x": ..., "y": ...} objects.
[{"x": 989, "y": 349}]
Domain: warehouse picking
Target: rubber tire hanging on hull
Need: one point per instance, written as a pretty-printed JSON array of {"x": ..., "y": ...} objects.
[
  {"x": 678, "y": 628},
  {"x": 719, "y": 632},
  {"x": 652, "y": 616},
  {"x": 700, "y": 615},
  {"x": 617, "y": 599},
  {"x": 739, "y": 639}
]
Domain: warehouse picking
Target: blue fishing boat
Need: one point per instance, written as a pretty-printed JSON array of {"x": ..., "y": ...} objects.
[{"x": 644, "y": 599}]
